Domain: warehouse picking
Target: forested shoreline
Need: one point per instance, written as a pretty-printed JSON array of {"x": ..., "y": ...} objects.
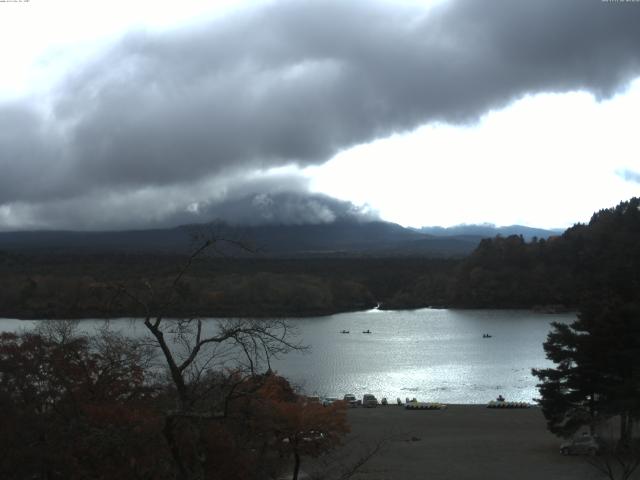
[
  {"x": 47, "y": 286},
  {"x": 502, "y": 272}
]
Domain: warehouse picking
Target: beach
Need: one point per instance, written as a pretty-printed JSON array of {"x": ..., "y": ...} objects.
[{"x": 458, "y": 443}]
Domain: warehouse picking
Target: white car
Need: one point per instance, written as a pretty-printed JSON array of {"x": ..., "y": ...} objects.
[
  {"x": 582, "y": 445},
  {"x": 369, "y": 401},
  {"x": 329, "y": 401}
]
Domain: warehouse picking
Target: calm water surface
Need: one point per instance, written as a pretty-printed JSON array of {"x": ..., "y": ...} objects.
[{"x": 433, "y": 355}]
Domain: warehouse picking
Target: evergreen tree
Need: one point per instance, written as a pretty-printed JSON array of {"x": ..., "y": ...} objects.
[
  {"x": 570, "y": 392},
  {"x": 597, "y": 372}
]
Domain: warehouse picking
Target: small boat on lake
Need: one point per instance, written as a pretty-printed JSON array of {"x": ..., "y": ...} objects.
[
  {"x": 344, "y": 331},
  {"x": 366, "y": 331}
]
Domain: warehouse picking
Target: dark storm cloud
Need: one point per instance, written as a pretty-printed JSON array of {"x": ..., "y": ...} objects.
[
  {"x": 284, "y": 208},
  {"x": 276, "y": 199},
  {"x": 296, "y": 82}
]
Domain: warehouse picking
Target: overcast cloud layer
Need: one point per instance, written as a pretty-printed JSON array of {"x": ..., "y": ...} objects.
[{"x": 175, "y": 122}]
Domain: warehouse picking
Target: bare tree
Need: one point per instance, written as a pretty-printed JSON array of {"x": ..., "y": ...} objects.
[
  {"x": 617, "y": 462},
  {"x": 192, "y": 348}
]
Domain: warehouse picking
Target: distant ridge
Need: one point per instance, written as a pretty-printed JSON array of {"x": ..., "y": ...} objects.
[
  {"x": 488, "y": 230},
  {"x": 330, "y": 239}
]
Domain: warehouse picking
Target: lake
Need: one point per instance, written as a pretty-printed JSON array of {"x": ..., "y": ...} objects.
[{"x": 430, "y": 354}]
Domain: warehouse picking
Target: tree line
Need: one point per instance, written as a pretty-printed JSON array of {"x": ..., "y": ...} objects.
[{"x": 79, "y": 286}]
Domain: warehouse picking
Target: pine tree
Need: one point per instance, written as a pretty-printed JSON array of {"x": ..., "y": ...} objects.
[
  {"x": 597, "y": 372},
  {"x": 570, "y": 393}
]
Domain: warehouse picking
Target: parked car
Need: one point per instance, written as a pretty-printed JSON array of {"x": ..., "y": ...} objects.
[
  {"x": 350, "y": 398},
  {"x": 369, "y": 401},
  {"x": 313, "y": 399},
  {"x": 329, "y": 401},
  {"x": 582, "y": 445}
]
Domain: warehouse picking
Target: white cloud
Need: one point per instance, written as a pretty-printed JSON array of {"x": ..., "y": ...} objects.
[
  {"x": 546, "y": 160},
  {"x": 42, "y": 40},
  {"x": 154, "y": 122}
]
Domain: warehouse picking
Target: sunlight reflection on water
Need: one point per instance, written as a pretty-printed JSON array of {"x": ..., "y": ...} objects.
[{"x": 433, "y": 355}]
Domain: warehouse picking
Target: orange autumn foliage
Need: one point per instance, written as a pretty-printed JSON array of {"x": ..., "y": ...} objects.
[{"x": 297, "y": 424}]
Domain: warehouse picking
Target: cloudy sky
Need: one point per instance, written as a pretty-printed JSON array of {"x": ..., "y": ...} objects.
[{"x": 127, "y": 114}]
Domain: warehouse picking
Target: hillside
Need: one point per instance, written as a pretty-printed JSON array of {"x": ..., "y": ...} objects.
[
  {"x": 328, "y": 239},
  {"x": 508, "y": 272},
  {"x": 319, "y": 269},
  {"x": 338, "y": 238}
]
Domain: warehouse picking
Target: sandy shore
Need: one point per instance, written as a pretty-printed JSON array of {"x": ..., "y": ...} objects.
[{"x": 461, "y": 442}]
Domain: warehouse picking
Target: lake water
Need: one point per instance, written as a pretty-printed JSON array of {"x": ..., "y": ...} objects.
[{"x": 433, "y": 355}]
